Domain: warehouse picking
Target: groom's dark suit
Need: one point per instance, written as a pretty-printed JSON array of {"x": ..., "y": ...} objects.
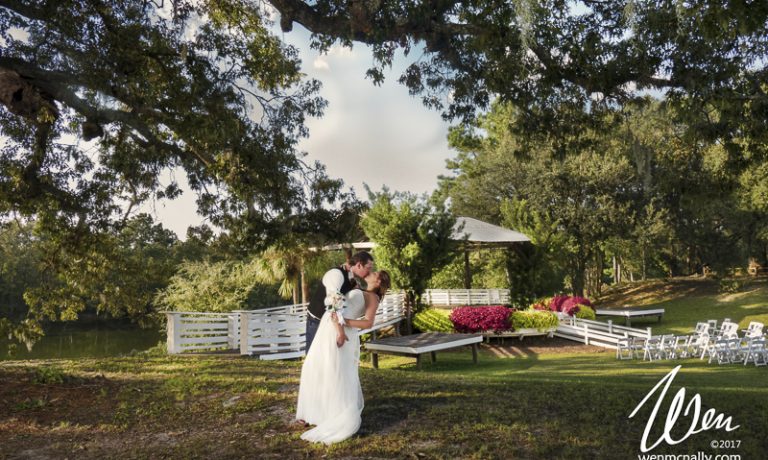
[{"x": 336, "y": 279}]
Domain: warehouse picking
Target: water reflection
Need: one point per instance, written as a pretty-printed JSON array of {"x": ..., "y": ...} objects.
[{"x": 90, "y": 340}]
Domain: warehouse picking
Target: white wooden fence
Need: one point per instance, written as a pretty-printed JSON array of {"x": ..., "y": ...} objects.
[
  {"x": 192, "y": 331},
  {"x": 270, "y": 333},
  {"x": 390, "y": 312},
  {"x": 458, "y": 297},
  {"x": 597, "y": 333},
  {"x": 273, "y": 334}
]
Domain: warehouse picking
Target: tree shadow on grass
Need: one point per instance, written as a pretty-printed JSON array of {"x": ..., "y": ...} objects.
[{"x": 384, "y": 415}]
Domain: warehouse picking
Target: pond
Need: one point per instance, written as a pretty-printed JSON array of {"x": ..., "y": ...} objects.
[{"x": 87, "y": 340}]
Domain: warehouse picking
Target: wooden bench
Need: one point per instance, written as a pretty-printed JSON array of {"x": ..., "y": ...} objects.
[
  {"x": 419, "y": 344},
  {"x": 628, "y": 314}
]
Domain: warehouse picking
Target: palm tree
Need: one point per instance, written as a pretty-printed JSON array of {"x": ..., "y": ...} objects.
[{"x": 293, "y": 268}]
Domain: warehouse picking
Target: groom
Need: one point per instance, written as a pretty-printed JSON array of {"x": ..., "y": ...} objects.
[{"x": 338, "y": 279}]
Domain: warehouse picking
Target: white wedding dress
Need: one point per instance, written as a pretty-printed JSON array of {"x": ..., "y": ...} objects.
[{"x": 330, "y": 395}]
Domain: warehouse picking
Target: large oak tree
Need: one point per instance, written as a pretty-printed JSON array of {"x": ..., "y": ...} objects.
[
  {"x": 100, "y": 99},
  {"x": 707, "y": 56},
  {"x": 200, "y": 85}
]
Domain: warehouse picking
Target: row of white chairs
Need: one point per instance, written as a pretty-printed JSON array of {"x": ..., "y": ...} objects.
[{"x": 721, "y": 344}]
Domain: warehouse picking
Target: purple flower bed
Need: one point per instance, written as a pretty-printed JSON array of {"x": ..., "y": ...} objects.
[
  {"x": 478, "y": 319},
  {"x": 568, "y": 304}
]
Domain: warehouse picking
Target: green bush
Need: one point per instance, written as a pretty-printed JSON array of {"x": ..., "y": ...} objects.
[
  {"x": 586, "y": 312},
  {"x": 48, "y": 375},
  {"x": 731, "y": 285},
  {"x": 533, "y": 319},
  {"x": 432, "y": 321}
]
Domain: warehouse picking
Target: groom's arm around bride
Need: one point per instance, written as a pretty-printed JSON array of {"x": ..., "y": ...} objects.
[{"x": 340, "y": 279}]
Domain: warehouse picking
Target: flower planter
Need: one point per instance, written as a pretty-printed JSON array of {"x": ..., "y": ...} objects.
[{"x": 520, "y": 333}]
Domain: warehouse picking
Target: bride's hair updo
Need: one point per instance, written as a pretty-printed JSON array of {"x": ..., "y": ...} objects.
[{"x": 384, "y": 283}]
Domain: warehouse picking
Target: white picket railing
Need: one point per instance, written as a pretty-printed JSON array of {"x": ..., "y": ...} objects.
[
  {"x": 270, "y": 333},
  {"x": 197, "y": 331},
  {"x": 458, "y": 297},
  {"x": 597, "y": 333},
  {"x": 390, "y": 312},
  {"x": 194, "y": 331}
]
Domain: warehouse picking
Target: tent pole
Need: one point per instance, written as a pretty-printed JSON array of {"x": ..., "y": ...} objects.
[{"x": 467, "y": 271}]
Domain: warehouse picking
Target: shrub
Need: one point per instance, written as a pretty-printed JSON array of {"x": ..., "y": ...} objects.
[
  {"x": 586, "y": 312},
  {"x": 556, "y": 303},
  {"x": 477, "y": 319},
  {"x": 533, "y": 319},
  {"x": 731, "y": 285},
  {"x": 47, "y": 375},
  {"x": 540, "y": 305},
  {"x": 569, "y": 305},
  {"x": 431, "y": 320}
]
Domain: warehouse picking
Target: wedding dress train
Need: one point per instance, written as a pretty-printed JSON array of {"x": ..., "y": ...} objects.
[{"x": 330, "y": 395}]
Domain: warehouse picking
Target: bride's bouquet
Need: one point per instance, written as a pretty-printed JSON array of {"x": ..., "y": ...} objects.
[{"x": 334, "y": 303}]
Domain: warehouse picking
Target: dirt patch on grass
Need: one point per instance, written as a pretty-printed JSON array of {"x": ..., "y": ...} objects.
[
  {"x": 656, "y": 291},
  {"x": 171, "y": 412}
]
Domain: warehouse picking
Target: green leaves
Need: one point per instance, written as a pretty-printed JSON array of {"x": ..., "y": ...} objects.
[
  {"x": 412, "y": 238},
  {"x": 204, "y": 86},
  {"x": 644, "y": 194}
]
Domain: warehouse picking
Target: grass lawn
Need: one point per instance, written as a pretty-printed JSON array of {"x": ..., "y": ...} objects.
[
  {"x": 689, "y": 300},
  {"x": 539, "y": 404}
]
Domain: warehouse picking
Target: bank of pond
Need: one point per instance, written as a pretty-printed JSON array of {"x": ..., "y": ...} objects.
[{"x": 86, "y": 339}]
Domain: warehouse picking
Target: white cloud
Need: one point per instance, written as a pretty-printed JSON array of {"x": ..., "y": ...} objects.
[
  {"x": 368, "y": 135},
  {"x": 342, "y": 52},
  {"x": 320, "y": 63}
]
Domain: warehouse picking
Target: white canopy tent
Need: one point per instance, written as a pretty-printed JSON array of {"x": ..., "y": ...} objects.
[
  {"x": 476, "y": 234},
  {"x": 472, "y": 233}
]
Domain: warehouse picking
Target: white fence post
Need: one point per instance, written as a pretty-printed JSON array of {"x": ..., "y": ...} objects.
[
  {"x": 244, "y": 335},
  {"x": 586, "y": 334},
  {"x": 610, "y": 326},
  {"x": 233, "y": 331},
  {"x": 174, "y": 329}
]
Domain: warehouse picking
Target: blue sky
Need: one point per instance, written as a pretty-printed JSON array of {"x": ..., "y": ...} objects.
[{"x": 377, "y": 135}]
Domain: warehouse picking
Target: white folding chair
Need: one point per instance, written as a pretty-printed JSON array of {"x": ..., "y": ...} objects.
[
  {"x": 624, "y": 348},
  {"x": 720, "y": 351},
  {"x": 652, "y": 349},
  {"x": 755, "y": 329},
  {"x": 756, "y": 352},
  {"x": 707, "y": 346},
  {"x": 735, "y": 351},
  {"x": 729, "y": 330},
  {"x": 678, "y": 347},
  {"x": 701, "y": 328}
]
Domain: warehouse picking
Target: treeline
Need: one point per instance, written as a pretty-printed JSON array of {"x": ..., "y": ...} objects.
[
  {"x": 132, "y": 271},
  {"x": 640, "y": 194}
]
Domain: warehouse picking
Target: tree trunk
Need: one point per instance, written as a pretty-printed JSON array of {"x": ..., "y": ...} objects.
[
  {"x": 597, "y": 287},
  {"x": 304, "y": 287},
  {"x": 467, "y": 271},
  {"x": 295, "y": 290},
  {"x": 578, "y": 276}
]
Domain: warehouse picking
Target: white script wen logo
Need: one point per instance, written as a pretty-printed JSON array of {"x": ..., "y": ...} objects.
[{"x": 710, "y": 419}]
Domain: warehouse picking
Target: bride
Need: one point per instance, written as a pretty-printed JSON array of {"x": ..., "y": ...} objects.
[{"x": 330, "y": 396}]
